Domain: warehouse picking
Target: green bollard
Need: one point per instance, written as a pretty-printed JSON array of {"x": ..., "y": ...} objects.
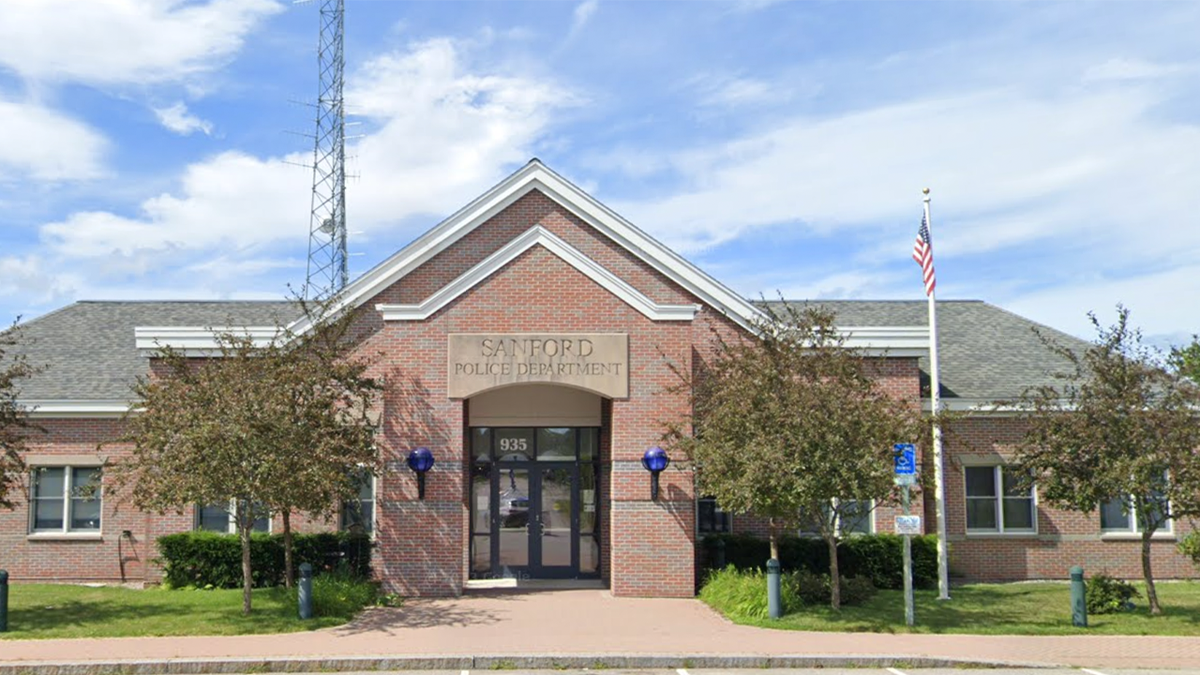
[
  {"x": 3, "y": 601},
  {"x": 305, "y": 593},
  {"x": 1078, "y": 598},
  {"x": 774, "y": 601}
]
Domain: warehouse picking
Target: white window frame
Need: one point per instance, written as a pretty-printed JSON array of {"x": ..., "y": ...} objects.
[
  {"x": 68, "y": 488},
  {"x": 231, "y": 514},
  {"x": 998, "y": 502},
  {"x": 1133, "y": 524},
  {"x": 342, "y": 527},
  {"x": 871, "y": 529}
]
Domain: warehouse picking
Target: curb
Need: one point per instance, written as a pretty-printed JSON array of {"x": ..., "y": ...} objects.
[{"x": 231, "y": 666}]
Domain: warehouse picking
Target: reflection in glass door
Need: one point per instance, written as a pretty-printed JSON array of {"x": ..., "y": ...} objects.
[{"x": 533, "y": 503}]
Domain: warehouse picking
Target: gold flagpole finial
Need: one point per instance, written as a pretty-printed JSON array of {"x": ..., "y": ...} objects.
[{"x": 925, "y": 191}]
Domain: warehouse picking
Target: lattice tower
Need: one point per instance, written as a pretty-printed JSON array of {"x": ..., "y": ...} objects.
[{"x": 327, "y": 270}]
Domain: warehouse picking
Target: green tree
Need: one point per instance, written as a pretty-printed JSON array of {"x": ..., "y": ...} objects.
[
  {"x": 15, "y": 426},
  {"x": 791, "y": 425},
  {"x": 1186, "y": 360},
  {"x": 278, "y": 427},
  {"x": 1120, "y": 428}
]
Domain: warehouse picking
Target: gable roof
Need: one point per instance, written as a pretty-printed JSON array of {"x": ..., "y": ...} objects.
[{"x": 536, "y": 176}]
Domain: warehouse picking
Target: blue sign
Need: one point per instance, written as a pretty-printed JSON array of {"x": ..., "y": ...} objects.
[{"x": 905, "y": 456}]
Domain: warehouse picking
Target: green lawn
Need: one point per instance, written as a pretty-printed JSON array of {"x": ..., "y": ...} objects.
[
  {"x": 60, "y": 611},
  {"x": 1000, "y": 609}
]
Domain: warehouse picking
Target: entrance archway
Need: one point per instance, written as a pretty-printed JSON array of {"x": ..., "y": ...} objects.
[{"x": 535, "y": 483}]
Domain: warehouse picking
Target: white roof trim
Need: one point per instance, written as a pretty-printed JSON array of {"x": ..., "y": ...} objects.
[
  {"x": 535, "y": 176},
  {"x": 48, "y": 408},
  {"x": 975, "y": 406},
  {"x": 897, "y": 341},
  {"x": 198, "y": 340},
  {"x": 534, "y": 236}
]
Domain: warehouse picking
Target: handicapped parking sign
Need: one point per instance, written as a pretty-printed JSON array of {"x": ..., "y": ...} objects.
[{"x": 905, "y": 458}]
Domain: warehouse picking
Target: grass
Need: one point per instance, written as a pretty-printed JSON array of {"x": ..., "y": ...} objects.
[
  {"x": 994, "y": 609},
  {"x": 41, "y": 611}
]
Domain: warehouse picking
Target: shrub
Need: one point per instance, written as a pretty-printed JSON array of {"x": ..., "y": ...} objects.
[
  {"x": 1190, "y": 546},
  {"x": 1106, "y": 595},
  {"x": 878, "y": 557},
  {"x": 814, "y": 589},
  {"x": 743, "y": 593},
  {"x": 209, "y": 559},
  {"x": 339, "y": 594}
]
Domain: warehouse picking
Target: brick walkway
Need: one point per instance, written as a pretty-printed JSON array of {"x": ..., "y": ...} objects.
[{"x": 591, "y": 622}]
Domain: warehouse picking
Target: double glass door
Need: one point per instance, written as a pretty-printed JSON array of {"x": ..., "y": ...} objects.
[{"x": 534, "y": 517}]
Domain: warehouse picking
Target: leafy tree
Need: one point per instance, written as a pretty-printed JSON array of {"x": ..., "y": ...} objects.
[
  {"x": 280, "y": 428},
  {"x": 1120, "y": 426},
  {"x": 15, "y": 426},
  {"x": 1186, "y": 360},
  {"x": 792, "y": 426}
]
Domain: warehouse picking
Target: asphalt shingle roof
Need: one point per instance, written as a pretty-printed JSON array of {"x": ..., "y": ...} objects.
[
  {"x": 987, "y": 353},
  {"x": 88, "y": 349}
]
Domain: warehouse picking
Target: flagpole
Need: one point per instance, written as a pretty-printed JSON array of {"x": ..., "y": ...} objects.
[{"x": 939, "y": 474}]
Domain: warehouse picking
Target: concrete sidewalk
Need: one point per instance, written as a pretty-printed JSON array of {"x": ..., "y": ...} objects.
[{"x": 592, "y": 626}]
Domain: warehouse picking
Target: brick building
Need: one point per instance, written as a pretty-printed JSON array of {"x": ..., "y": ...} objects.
[{"x": 526, "y": 341}]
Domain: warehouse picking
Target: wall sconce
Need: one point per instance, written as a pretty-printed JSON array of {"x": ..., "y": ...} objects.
[
  {"x": 655, "y": 460},
  {"x": 420, "y": 461}
]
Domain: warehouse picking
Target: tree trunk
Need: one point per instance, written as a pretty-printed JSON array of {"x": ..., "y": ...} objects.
[
  {"x": 835, "y": 581},
  {"x": 773, "y": 535},
  {"x": 288, "y": 569},
  {"x": 1151, "y": 593},
  {"x": 245, "y": 521}
]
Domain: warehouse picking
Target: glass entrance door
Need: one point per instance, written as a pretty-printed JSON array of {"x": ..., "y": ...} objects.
[{"x": 533, "y": 503}]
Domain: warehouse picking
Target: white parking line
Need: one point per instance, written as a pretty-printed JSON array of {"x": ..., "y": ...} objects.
[
  {"x": 465, "y": 672},
  {"x": 681, "y": 671},
  {"x": 896, "y": 671},
  {"x": 1089, "y": 671}
]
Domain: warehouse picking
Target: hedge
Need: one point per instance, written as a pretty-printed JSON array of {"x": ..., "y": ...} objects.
[
  {"x": 209, "y": 559},
  {"x": 879, "y": 557}
]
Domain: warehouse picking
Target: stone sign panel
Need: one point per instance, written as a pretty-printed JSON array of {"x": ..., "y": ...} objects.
[{"x": 595, "y": 361}]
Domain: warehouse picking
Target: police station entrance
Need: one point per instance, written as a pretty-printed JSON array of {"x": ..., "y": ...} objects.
[{"x": 534, "y": 502}]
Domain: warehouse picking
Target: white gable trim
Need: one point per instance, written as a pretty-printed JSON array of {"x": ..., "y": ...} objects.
[
  {"x": 198, "y": 341},
  {"x": 537, "y": 236},
  {"x": 535, "y": 176}
]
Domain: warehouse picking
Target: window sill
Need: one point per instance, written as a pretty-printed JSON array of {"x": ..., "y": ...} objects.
[
  {"x": 1136, "y": 536},
  {"x": 1001, "y": 535},
  {"x": 65, "y": 536}
]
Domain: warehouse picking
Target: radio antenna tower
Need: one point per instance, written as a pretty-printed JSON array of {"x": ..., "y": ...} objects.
[{"x": 327, "y": 271}]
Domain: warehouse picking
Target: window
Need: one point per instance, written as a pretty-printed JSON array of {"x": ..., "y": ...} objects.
[
  {"x": 855, "y": 517},
  {"x": 220, "y": 518},
  {"x": 710, "y": 519},
  {"x": 359, "y": 514},
  {"x": 1121, "y": 515},
  {"x": 995, "y": 503},
  {"x": 66, "y": 499}
]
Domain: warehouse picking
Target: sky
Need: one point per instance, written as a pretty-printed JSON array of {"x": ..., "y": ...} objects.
[{"x": 157, "y": 149}]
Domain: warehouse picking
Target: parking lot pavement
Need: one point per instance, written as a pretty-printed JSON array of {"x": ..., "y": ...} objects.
[{"x": 799, "y": 671}]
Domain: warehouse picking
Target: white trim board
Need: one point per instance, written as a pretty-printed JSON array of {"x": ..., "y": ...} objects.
[
  {"x": 198, "y": 340},
  {"x": 538, "y": 236},
  {"x": 48, "y": 408}
]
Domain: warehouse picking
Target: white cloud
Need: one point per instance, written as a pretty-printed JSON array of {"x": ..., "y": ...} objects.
[
  {"x": 43, "y": 144},
  {"x": 439, "y": 132},
  {"x": 582, "y": 14},
  {"x": 177, "y": 119},
  {"x": 723, "y": 91},
  {"x": 1119, "y": 69},
  {"x": 124, "y": 41},
  {"x": 1086, "y": 165}
]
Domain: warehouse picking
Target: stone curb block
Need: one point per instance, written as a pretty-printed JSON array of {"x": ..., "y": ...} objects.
[{"x": 232, "y": 666}]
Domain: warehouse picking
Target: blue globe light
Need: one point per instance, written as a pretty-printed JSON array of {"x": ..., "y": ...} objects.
[
  {"x": 420, "y": 460},
  {"x": 655, "y": 460}
]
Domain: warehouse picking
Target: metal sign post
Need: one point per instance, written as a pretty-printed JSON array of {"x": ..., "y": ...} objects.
[{"x": 905, "y": 455}]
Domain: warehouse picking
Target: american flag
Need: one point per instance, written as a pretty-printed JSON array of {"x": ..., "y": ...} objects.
[{"x": 923, "y": 254}]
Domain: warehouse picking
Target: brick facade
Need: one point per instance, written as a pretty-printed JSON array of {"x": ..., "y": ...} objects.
[{"x": 647, "y": 548}]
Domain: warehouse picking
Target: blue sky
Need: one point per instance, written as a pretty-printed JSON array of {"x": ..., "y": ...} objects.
[{"x": 781, "y": 146}]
